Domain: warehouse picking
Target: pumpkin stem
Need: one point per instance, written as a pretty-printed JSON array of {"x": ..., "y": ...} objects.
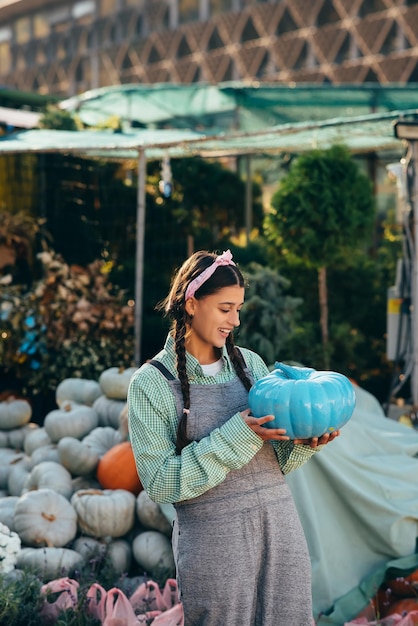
[
  {"x": 90, "y": 492},
  {"x": 49, "y": 518},
  {"x": 293, "y": 373},
  {"x": 17, "y": 460}
]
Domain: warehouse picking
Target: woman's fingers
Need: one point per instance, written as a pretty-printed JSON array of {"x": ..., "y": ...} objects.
[
  {"x": 318, "y": 441},
  {"x": 257, "y": 425}
]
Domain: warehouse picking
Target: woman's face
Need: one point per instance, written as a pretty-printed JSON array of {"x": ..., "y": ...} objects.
[{"x": 213, "y": 318}]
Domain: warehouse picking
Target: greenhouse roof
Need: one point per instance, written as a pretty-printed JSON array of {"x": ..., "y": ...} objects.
[
  {"x": 366, "y": 133},
  {"x": 235, "y": 105}
]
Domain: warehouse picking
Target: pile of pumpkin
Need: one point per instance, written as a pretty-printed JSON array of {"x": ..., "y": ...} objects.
[{"x": 69, "y": 487}]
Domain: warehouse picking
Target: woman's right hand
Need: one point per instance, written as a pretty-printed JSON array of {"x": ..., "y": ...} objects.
[{"x": 266, "y": 434}]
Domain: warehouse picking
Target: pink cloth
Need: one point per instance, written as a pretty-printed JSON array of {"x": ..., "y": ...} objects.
[
  {"x": 222, "y": 259},
  {"x": 410, "y": 619},
  {"x": 148, "y": 597},
  {"x": 68, "y": 598},
  {"x": 147, "y": 605},
  {"x": 172, "y": 617},
  {"x": 96, "y": 596}
]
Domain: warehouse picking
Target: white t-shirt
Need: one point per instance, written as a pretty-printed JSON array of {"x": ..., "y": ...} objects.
[{"x": 213, "y": 368}]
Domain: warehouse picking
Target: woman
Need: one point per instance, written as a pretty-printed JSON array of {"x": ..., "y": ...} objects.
[{"x": 239, "y": 548}]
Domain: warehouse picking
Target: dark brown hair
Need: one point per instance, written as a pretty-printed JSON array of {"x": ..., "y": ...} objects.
[{"x": 174, "y": 307}]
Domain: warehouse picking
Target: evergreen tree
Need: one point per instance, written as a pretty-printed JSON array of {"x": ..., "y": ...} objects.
[{"x": 322, "y": 210}]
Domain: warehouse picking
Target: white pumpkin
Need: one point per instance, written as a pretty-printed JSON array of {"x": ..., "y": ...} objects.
[
  {"x": 89, "y": 547},
  {"x": 7, "y": 511},
  {"x": 45, "y": 453},
  {"x": 80, "y": 390},
  {"x": 124, "y": 423},
  {"x": 7, "y": 457},
  {"x": 71, "y": 420},
  {"x": 85, "y": 482},
  {"x": 109, "y": 411},
  {"x": 4, "y": 440},
  {"x": 153, "y": 552},
  {"x": 45, "y": 518},
  {"x": 18, "y": 473},
  {"x": 35, "y": 439},
  {"x": 168, "y": 510},
  {"x": 49, "y": 563},
  {"x": 104, "y": 513},
  {"x": 102, "y": 438},
  {"x": 16, "y": 437},
  {"x": 79, "y": 458},
  {"x": 119, "y": 553},
  {"x": 14, "y": 413},
  {"x": 114, "y": 382},
  {"x": 50, "y": 475},
  {"x": 150, "y": 515}
]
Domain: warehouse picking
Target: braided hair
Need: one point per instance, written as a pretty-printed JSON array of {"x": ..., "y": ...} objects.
[{"x": 174, "y": 307}]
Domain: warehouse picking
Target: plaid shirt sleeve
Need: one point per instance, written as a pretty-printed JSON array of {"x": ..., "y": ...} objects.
[{"x": 291, "y": 456}]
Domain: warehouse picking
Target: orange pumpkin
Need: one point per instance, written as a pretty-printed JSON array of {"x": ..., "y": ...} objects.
[{"x": 117, "y": 470}]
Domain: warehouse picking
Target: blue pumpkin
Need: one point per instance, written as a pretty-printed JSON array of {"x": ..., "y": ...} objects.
[{"x": 306, "y": 402}]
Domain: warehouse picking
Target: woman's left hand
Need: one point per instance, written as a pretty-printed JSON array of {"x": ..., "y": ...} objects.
[{"x": 314, "y": 442}]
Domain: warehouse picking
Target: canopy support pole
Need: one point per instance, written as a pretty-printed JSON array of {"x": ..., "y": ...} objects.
[{"x": 139, "y": 258}]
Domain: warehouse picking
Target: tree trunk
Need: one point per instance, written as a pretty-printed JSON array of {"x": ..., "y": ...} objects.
[{"x": 323, "y": 308}]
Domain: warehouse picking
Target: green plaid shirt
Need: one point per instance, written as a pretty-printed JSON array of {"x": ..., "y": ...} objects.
[{"x": 168, "y": 477}]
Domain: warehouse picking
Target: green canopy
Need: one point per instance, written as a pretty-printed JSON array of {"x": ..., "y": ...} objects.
[{"x": 235, "y": 105}]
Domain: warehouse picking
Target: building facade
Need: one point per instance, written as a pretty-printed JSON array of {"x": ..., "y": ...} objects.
[{"x": 66, "y": 47}]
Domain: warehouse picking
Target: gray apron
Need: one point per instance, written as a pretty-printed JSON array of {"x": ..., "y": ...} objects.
[{"x": 240, "y": 551}]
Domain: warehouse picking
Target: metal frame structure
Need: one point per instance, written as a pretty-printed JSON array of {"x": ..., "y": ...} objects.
[{"x": 369, "y": 133}]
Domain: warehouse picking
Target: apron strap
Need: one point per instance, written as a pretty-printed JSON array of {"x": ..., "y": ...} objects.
[{"x": 164, "y": 371}]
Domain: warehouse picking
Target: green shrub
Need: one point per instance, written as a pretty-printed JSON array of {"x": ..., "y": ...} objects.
[{"x": 71, "y": 323}]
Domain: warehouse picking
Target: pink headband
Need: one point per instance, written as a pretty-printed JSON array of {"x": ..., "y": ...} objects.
[{"x": 222, "y": 259}]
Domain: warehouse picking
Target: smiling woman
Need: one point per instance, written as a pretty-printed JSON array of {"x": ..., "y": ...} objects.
[{"x": 196, "y": 445}]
